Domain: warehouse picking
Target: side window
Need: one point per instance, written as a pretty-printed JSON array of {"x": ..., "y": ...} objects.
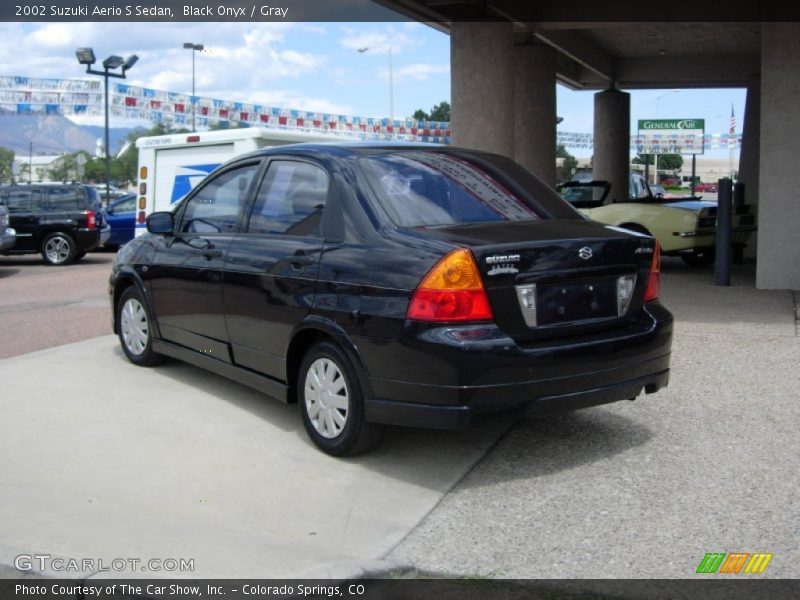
[
  {"x": 216, "y": 207},
  {"x": 128, "y": 205},
  {"x": 23, "y": 200},
  {"x": 65, "y": 199},
  {"x": 290, "y": 200}
]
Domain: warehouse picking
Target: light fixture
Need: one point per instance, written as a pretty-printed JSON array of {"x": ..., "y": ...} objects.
[
  {"x": 194, "y": 48},
  {"x": 113, "y": 62},
  {"x": 129, "y": 62},
  {"x": 85, "y": 56}
]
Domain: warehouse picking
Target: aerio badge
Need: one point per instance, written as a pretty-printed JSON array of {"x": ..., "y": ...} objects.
[
  {"x": 502, "y": 264},
  {"x": 585, "y": 253}
]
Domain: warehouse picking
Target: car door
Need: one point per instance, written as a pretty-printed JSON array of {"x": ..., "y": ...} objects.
[
  {"x": 185, "y": 278},
  {"x": 121, "y": 216},
  {"x": 271, "y": 267},
  {"x": 25, "y": 215}
]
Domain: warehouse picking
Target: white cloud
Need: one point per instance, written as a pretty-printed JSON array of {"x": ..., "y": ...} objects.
[
  {"x": 418, "y": 72},
  {"x": 379, "y": 40}
]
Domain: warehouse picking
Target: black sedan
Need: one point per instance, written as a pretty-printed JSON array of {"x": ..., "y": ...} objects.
[{"x": 394, "y": 284}]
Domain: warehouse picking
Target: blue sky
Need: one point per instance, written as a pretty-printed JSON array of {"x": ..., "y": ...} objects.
[{"x": 310, "y": 66}]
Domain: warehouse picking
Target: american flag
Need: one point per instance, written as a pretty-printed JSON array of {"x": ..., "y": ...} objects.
[{"x": 733, "y": 122}]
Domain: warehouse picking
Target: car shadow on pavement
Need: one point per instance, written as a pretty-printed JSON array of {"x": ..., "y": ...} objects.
[
  {"x": 283, "y": 416},
  {"x": 543, "y": 447},
  {"x": 4, "y": 272},
  {"x": 425, "y": 457}
]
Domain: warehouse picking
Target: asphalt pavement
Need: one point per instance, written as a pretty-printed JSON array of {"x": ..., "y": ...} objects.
[
  {"x": 106, "y": 460},
  {"x": 644, "y": 489}
]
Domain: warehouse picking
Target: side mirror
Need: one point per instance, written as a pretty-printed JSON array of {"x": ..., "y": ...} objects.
[
  {"x": 110, "y": 210},
  {"x": 160, "y": 223}
]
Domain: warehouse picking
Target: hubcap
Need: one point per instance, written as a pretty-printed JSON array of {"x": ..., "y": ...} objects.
[
  {"x": 133, "y": 326},
  {"x": 57, "y": 249},
  {"x": 327, "y": 398}
]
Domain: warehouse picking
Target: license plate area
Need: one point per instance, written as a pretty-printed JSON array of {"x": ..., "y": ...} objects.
[{"x": 567, "y": 302}]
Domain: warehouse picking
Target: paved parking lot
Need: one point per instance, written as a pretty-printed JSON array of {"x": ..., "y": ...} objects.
[
  {"x": 43, "y": 306},
  {"x": 645, "y": 489},
  {"x": 104, "y": 459}
]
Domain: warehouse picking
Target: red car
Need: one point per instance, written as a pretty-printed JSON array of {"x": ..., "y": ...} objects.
[{"x": 710, "y": 188}]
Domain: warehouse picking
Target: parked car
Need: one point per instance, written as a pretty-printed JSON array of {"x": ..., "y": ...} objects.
[
  {"x": 661, "y": 193},
  {"x": 683, "y": 227},
  {"x": 8, "y": 236},
  {"x": 121, "y": 217},
  {"x": 702, "y": 188},
  {"x": 394, "y": 284},
  {"x": 60, "y": 221}
]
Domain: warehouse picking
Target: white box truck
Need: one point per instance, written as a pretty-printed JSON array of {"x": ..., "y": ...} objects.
[{"x": 171, "y": 165}]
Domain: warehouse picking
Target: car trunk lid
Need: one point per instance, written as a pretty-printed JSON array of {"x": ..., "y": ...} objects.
[{"x": 550, "y": 278}]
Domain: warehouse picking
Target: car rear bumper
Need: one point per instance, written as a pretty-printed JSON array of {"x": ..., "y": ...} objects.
[
  {"x": 451, "y": 380},
  {"x": 87, "y": 239}
]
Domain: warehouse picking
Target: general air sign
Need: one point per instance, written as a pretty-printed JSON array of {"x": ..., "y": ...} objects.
[{"x": 670, "y": 136}]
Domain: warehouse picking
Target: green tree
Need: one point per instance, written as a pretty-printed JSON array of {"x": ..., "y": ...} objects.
[
  {"x": 439, "y": 112},
  {"x": 668, "y": 162},
  {"x": 565, "y": 170},
  {"x": 6, "y": 164}
]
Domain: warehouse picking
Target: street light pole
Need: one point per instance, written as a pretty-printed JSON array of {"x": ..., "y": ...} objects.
[
  {"x": 655, "y": 156},
  {"x": 193, "y": 47},
  {"x": 391, "y": 76},
  {"x": 86, "y": 57}
]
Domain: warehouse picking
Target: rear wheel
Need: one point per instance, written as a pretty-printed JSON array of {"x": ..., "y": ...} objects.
[
  {"x": 58, "y": 249},
  {"x": 699, "y": 257},
  {"x": 332, "y": 404},
  {"x": 135, "y": 330}
]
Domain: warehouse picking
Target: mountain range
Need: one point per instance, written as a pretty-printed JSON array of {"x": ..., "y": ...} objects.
[{"x": 54, "y": 134}]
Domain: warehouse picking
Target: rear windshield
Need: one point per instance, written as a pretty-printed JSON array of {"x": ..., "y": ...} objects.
[{"x": 423, "y": 189}]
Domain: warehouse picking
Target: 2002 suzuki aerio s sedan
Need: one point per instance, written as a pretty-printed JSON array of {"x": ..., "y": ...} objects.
[{"x": 394, "y": 284}]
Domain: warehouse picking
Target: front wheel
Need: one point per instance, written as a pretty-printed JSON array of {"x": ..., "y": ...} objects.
[
  {"x": 332, "y": 404},
  {"x": 135, "y": 329},
  {"x": 58, "y": 249}
]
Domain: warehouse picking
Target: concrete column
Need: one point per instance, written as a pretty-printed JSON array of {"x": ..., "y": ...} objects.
[
  {"x": 778, "y": 264},
  {"x": 535, "y": 110},
  {"x": 482, "y": 86},
  {"x": 748, "y": 157},
  {"x": 612, "y": 133}
]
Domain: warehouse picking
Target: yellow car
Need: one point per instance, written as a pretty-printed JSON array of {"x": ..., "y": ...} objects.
[{"x": 684, "y": 227}]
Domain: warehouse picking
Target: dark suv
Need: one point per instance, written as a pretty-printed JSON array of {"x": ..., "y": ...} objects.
[{"x": 61, "y": 221}]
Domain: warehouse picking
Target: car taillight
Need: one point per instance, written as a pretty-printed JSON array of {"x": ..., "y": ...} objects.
[
  {"x": 654, "y": 281},
  {"x": 451, "y": 291},
  {"x": 91, "y": 219}
]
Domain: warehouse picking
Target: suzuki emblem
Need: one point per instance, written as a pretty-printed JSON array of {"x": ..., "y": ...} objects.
[{"x": 585, "y": 253}]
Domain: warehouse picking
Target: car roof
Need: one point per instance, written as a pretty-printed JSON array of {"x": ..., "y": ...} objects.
[{"x": 355, "y": 148}]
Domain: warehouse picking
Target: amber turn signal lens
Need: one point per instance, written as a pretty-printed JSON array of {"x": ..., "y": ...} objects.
[{"x": 451, "y": 291}]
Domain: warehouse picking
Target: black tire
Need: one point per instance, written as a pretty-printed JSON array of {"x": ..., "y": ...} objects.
[
  {"x": 700, "y": 257},
  {"x": 135, "y": 329},
  {"x": 58, "y": 249},
  {"x": 355, "y": 435}
]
